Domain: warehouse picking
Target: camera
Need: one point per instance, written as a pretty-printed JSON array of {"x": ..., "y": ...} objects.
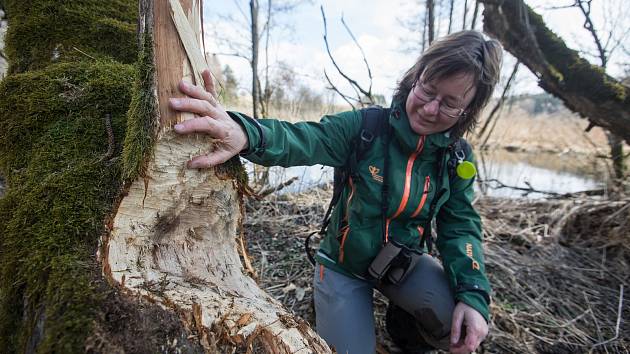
[{"x": 394, "y": 262}]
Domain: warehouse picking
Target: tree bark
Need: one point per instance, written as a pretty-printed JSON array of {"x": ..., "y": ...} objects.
[
  {"x": 173, "y": 237},
  {"x": 584, "y": 88}
]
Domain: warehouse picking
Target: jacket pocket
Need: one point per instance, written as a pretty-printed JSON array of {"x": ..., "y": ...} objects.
[{"x": 359, "y": 246}]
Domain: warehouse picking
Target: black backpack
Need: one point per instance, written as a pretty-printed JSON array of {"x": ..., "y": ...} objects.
[{"x": 374, "y": 123}]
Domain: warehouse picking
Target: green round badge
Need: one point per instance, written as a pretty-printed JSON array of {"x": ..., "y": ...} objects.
[{"x": 466, "y": 170}]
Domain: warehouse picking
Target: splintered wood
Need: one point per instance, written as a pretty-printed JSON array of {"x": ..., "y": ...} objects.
[{"x": 173, "y": 238}]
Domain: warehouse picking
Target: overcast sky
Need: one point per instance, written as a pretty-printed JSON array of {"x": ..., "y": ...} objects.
[{"x": 382, "y": 29}]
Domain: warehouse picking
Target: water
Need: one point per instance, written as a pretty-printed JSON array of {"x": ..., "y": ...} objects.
[{"x": 542, "y": 172}]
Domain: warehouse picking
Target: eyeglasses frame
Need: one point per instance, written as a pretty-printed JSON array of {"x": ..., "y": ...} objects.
[{"x": 462, "y": 111}]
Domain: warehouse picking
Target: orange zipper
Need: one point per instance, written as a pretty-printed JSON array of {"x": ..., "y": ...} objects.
[
  {"x": 423, "y": 200},
  {"x": 407, "y": 190}
]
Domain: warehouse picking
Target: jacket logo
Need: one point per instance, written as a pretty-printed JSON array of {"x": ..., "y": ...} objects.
[
  {"x": 469, "y": 253},
  {"x": 374, "y": 172}
]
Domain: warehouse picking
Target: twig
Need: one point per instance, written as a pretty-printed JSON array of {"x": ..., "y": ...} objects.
[
  {"x": 334, "y": 88},
  {"x": 280, "y": 186},
  {"x": 527, "y": 190},
  {"x": 621, "y": 210},
  {"x": 84, "y": 53},
  {"x": 367, "y": 65},
  {"x": 619, "y": 313}
]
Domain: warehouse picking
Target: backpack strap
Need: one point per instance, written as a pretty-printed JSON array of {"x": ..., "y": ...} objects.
[
  {"x": 373, "y": 124},
  {"x": 457, "y": 152}
]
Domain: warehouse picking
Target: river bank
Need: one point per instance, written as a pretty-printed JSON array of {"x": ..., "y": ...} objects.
[{"x": 557, "y": 269}]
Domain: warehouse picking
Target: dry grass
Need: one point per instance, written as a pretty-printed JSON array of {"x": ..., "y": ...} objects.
[
  {"x": 516, "y": 130},
  {"x": 557, "y": 268},
  {"x": 559, "y": 132}
]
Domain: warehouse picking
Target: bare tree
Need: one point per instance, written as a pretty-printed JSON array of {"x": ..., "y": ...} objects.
[
  {"x": 431, "y": 20},
  {"x": 255, "y": 35},
  {"x": 260, "y": 20},
  {"x": 450, "y": 15},
  {"x": 473, "y": 23},
  {"x": 465, "y": 14}
]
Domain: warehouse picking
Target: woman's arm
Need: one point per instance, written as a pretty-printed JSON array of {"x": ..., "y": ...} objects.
[
  {"x": 267, "y": 142},
  {"x": 460, "y": 244}
]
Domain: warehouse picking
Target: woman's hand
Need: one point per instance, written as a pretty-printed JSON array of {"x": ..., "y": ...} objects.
[
  {"x": 213, "y": 121},
  {"x": 476, "y": 329}
]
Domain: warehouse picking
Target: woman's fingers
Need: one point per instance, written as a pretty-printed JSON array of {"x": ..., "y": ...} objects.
[
  {"x": 217, "y": 157},
  {"x": 192, "y": 105},
  {"x": 197, "y": 92},
  {"x": 456, "y": 325},
  {"x": 205, "y": 125}
]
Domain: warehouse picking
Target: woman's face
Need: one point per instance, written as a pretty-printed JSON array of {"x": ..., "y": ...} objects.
[{"x": 434, "y": 107}]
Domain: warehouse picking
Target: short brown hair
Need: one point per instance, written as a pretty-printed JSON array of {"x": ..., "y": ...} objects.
[{"x": 465, "y": 52}]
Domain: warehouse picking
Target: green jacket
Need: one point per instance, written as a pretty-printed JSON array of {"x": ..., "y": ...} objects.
[{"x": 354, "y": 235}]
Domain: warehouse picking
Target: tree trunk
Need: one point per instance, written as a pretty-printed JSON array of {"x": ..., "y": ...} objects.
[
  {"x": 253, "y": 10},
  {"x": 450, "y": 16},
  {"x": 583, "y": 88},
  {"x": 473, "y": 23},
  {"x": 431, "y": 17},
  {"x": 616, "y": 155},
  {"x": 173, "y": 236}
]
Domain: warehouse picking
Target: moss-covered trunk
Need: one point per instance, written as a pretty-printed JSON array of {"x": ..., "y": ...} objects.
[
  {"x": 63, "y": 118},
  {"x": 583, "y": 87}
]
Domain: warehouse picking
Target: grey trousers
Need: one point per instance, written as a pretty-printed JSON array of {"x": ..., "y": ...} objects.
[{"x": 344, "y": 310}]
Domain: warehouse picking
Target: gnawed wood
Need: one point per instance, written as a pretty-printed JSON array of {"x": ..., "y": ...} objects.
[{"x": 174, "y": 236}]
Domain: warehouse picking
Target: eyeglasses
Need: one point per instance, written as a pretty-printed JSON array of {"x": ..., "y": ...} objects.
[{"x": 426, "y": 95}]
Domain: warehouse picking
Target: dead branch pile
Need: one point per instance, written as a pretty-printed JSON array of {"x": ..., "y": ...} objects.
[{"x": 558, "y": 269}]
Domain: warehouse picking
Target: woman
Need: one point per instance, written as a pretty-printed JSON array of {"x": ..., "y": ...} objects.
[{"x": 437, "y": 101}]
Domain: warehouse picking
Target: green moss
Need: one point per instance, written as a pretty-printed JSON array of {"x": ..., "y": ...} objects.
[
  {"x": 575, "y": 73},
  {"x": 142, "y": 123},
  {"x": 46, "y": 31},
  {"x": 52, "y": 152}
]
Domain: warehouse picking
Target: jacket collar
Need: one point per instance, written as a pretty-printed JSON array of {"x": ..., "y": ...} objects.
[{"x": 407, "y": 139}]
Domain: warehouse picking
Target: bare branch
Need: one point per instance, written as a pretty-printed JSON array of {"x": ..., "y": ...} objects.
[
  {"x": 499, "y": 104},
  {"x": 355, "y": 85},
  {"x": 240, "y": 10},
  {"x": 334, "y": 88},
  {"x": 496, "y": 184},
  {"x": 367, "y": 65},
  {"x": 585, "y": 7}
]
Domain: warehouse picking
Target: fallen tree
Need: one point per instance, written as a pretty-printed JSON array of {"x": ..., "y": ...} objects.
[{"x": 584, "y": 88}]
